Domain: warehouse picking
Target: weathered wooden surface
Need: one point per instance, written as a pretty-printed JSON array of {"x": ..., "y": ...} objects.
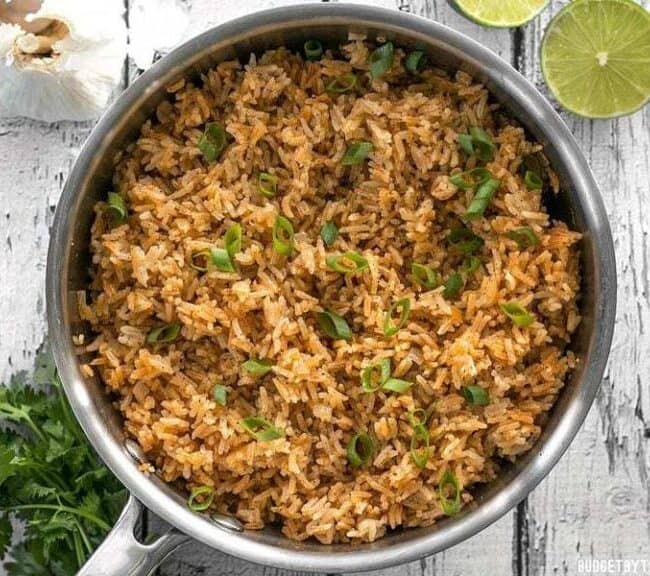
[{"x": 596, "y": 502}]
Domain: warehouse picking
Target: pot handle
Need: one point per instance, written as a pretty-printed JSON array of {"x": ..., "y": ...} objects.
[{"x": 120, "y": 554}]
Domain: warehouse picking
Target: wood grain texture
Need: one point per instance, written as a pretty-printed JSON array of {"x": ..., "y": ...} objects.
[{"x": 595, "y": 503}]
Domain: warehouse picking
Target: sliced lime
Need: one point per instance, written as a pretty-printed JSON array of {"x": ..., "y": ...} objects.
[
  {"x": 596, "y": 57},
  {"x": 500, "y": 13}
]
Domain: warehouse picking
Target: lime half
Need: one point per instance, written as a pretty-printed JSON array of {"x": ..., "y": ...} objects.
[
  {"x": 596, "y": 57},
  {"x": 500, "y": 13}
]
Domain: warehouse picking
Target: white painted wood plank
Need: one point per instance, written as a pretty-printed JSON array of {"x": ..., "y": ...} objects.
[{"x": 595, "y": 504}]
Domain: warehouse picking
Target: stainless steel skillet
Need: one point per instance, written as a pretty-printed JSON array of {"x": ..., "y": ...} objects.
[{"x": 67, "y": 271}]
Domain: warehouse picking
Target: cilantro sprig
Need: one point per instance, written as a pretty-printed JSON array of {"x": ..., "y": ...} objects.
[{"x": 50, "y": 479}]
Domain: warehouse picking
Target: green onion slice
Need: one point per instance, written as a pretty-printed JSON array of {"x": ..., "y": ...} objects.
[
  {"x": 475, "y": 395},
  {"x": 425, "y": 276},
  {"x": 482, "y": 198},
  {"x": 517, "y": 313},
  {"x": 220, "y": 259},
  {"x": 334, "y": 325},
  {"x": 116, "y": 208},
  {"x": 213, "y": 141},
  {"x": 524, "y": 237},
  {"x": 464, "y": 241},
  {"x": 404, "y": 308},
  {"x": 342, "y": 84},
  {"x": 466, "y": 142},
  {"x": 313, "y": 49},
  {"x": 257, "y": 367},
  {"x": 470, "y": 178},
  {"x": 164, "y": 334},
  {"x": 232, "y": 240},
  {"x": 374, "y": 376},
  {"x": 484, "y": 148},
  {"x": 329, "y": 233},
  {"x": 449, "y": 492},
  {"x": 381, "y": 60},
  {"x": 453, "y": 286},
  {"x": 206, "y": 493},
  {"x": 347, "y": 263},
  {"x": 420, "y": 450},
  {"x": 361, "y": 450},
  {"x": 356, "y": 153},
  {"x": 283, "y": 236},
  {"x": 470, "y": 265},
  {"x": 396, "y": 385},
  {"x": 533, "y": 181},
  {"x": 220, "y": 394},
  {"x": 415, "y": 61},
  {"x": 261, "y": 429},
  {"x": 267, "y": 184}
]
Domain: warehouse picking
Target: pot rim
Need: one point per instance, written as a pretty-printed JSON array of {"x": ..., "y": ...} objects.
[{"x": 362, "y": 557}]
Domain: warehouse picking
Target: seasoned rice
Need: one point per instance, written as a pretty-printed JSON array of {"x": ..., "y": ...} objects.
[{"x": 394, "y": 209}]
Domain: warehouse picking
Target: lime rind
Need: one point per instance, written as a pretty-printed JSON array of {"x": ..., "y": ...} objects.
[
  {"x": 500, "y": 13},
  {"x": 572, "y": 79}
]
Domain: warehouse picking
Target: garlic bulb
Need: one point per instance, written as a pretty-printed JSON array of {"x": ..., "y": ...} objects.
[{"x": 61, "y": 62}]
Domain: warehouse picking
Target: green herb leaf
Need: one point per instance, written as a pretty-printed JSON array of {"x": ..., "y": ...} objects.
[
  {"x": 329, "y": 233},
  {"x": 381, "y": 60},
  {"x": 356, "y": 153}
]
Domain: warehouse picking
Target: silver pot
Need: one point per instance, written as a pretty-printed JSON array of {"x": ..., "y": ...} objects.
[{"x": 67, "y": 271}]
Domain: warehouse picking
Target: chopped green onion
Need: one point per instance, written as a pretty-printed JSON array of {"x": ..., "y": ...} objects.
[
  {"x": 356, "y": 153},
  {"x": 261, "y": 429},
  {"x": 329, "y": 233},
  {"x": 164, "y": 334},
  {"x": 464, "y": 241},
  {"x": 413, "y": 418},
  {"x": 381, "y": 60},
  {"x": 342, "y": 84},
  {"x": 477, "y": 143},
  {"x": 232, "y": 240},
  {"x": 535, "y": 163},
  {"x": 466, "y": 142},
  {"x": 475, "y": 395},
  {"x": 470, "y": 178},
  {"x": 374, "y": 376},
  {"x": 415, "y": 61},
  {"x": 334, "y": 325},
  {"x": 396, "y": 385},
  {"x": 453, "y": 286},
  {"x": 207, "y": 494},
  {"x": 220, "y": 259},
  {"x": 470, "y": 265},
  {"x": 283, "y": 236},
  {"x": 404, "y": 308},
  {"x": 425, "y": 276},
  {"x": 533, "y": 181},
  {"x": 420, "y": 445},
  {"x": 482, "y": 198},
  {"x": 201, "y": 260},
  {"x": 267, "y": 184},
  {"x": 220, "y": 394},
  {"x": 517, "y": 313},
  {"x": 213, "y": 141},
  {"x": 348, "y": 263},
  {"x": 484, "y": 148},
  {"x": 450, "y": 503},
  {"x": 524, "y": 237},
  {"x": 117, "y": 209},
  {"x": 313, "y": 49},
  {"x": 256, "y": 367},
  {"x": 361, "y": 450}
]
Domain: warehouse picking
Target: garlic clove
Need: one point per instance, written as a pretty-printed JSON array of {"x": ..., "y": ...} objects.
[{"x": 68, "y": 68}]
